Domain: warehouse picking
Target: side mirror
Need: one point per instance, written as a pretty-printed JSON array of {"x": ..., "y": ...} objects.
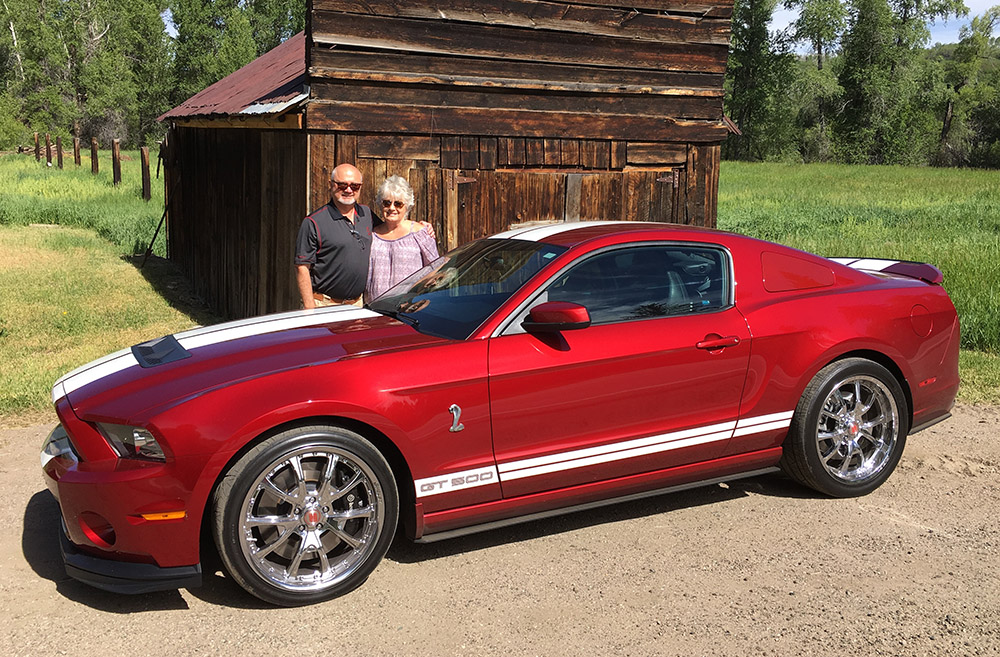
[{"x": 555, "y": 316}]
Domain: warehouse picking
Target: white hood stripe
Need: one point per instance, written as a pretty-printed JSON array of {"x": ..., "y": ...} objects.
[{"x": 210, "y": 335}]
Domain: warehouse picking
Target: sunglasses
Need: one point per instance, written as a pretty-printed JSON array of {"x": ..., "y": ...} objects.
[
  {"x": 399, "y": 205},
  {"x": 342, "y": 186}
]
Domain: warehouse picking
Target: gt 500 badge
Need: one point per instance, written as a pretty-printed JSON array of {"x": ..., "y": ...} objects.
[{"x": 455, "y": 481}]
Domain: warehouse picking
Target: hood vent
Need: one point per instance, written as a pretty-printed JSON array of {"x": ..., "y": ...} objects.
[{"x": 159, "y": 351}]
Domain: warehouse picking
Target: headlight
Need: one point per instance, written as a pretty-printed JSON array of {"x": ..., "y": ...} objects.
[{"x": 132, "y": 442}]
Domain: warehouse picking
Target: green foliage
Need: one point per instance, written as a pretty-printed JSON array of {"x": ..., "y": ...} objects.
[
  {"x": 760, "y": 66},
  {"x": 947, "y": 217},
  {"x": 36, "y": 194}
]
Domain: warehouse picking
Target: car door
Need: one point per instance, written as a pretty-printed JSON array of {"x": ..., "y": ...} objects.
[{"x": 654, "y": 382}]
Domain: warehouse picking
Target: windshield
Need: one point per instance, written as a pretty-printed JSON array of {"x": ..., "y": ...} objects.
[{"x": 455, "y": 294}]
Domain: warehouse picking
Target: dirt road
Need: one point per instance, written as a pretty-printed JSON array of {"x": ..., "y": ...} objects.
[{"x": 757, "y": 567}]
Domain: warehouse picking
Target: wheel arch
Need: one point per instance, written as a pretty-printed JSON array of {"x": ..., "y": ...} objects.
[
  {"x": 392, "y": 454},
  {"x": 889, "y": 364}
]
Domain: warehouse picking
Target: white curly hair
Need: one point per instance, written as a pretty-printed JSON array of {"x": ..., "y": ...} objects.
[{"x": 396, "y": 188}]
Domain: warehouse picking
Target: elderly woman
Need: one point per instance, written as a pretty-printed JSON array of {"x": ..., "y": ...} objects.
[{"x": 399, "y": 246}]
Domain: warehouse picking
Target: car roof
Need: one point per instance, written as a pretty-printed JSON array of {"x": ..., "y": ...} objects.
[{"x": 571, "y": 233}]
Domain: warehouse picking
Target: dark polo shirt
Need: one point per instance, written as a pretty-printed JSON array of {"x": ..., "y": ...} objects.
[{"x": 337, "y": 250}]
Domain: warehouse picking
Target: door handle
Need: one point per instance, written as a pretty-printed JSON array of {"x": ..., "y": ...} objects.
[{"x": 714, "y": 341}]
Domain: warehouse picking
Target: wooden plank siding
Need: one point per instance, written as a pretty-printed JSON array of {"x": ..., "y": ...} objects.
[
  {"x": 520, "y": 68},
  {"x": 232, "y": 221}
]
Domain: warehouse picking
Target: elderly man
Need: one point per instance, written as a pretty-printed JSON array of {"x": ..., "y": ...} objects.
[{"x": 334, "y": 244}]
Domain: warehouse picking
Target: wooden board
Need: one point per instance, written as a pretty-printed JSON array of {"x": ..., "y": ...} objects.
[
  {"x": 514, "y": 44},
  {"x": 605, "y": 20},
  {"x": 374, "y": 117}
]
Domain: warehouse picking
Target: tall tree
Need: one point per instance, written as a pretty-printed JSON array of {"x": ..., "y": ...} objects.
[
  {"x": 274, "y": 21},
  {"x": 961, "y": 75},
  {"x": 214, "y": 38},
  {"x": 820, "y": 23},
  {"x": 759, "y": 68}
]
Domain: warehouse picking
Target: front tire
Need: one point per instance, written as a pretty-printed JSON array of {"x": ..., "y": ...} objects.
[
  {"x": 849, "y": 429},
  {"x": 306, "y": 515}
]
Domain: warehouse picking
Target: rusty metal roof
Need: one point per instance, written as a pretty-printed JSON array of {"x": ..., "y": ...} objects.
[{"x": 269, "y": 85}]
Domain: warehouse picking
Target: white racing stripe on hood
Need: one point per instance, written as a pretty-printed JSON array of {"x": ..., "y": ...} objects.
[
  {"x": 270, "y": 324},
  {"x": 209, "y": 335}
]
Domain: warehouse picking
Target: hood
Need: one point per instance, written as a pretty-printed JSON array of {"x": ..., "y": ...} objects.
[{"x": 127, "y": 382}]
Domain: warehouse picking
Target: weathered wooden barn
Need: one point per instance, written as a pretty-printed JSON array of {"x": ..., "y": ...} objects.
[{"x": 498, "y": 112}]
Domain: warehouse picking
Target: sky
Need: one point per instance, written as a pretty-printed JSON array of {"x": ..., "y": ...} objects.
[{"x": 941, "y": 32}]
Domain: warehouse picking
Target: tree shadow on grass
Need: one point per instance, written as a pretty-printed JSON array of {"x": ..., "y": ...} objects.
[{"x": 169, "y": 281}]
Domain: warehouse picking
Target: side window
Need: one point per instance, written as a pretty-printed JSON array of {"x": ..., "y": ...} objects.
[{"x": 646, "y": 281}]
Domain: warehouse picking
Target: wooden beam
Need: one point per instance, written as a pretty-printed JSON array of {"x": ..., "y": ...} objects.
[
  {"x": 376, "y": 117},
  {"x": 515, "y": 44},
  {"x": 622, "y": 21},
  {"x": 284, "y": 122},
  {"x": 415, "y": 68},
  {"x": 648, "y": 105}
]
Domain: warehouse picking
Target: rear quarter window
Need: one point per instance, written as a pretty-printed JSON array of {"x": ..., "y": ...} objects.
[{"x": 782, "y": 273}]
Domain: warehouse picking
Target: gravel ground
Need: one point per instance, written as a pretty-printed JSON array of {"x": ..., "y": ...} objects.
[{"x": 756, "y": 567}]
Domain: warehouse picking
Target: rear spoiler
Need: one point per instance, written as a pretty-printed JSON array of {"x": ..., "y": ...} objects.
[{"x": 920, "y": 270}]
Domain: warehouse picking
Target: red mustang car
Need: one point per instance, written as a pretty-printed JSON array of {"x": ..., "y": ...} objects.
[{"x": 531, "y": 373}]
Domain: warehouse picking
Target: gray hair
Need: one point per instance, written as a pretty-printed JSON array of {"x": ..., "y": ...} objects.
[{"x": 396, "y": 188}]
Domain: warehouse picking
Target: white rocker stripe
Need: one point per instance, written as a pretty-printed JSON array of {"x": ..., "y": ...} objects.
[
  {"x": 765, "y": 419},
  {"x": 209, "y": 335},
  {"x": 582, "y": 458},
  {"x": 613, "y": 448},
  {"x": 615, "y": 456}
]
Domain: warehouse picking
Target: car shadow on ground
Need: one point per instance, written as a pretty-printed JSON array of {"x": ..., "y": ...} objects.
[
  {"x": 40, "y": 546},
  {"x": 776, "y": 484},
  {"x": 41, "y": 527}
]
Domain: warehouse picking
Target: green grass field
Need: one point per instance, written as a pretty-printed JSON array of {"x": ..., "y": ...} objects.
[
  {"x": 32, "y": 193},
  {"x": 947, "y": 217},
  {"x": 68, "y": 296}
]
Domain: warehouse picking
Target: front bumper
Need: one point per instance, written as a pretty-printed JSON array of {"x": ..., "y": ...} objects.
[
  {"x": 122, "y": 576},
  {"x": 100, "y": 506}
]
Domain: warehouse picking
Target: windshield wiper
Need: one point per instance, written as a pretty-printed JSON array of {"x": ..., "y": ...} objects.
[{"x": 399, "y": 316}]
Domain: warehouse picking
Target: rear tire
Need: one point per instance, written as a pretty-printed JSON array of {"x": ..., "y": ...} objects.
[
  {"x": 849, "y": 429},
  {"x": 306, "y": 515}
]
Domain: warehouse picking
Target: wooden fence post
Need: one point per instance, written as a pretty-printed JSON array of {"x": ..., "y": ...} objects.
[
  {"x": 116, "y": 162},
  {"x": 94, "y": 167},
  {"x": 147, "y": 192},
  {"x": 59, "y": 151},
  {"x": 48, "y": 149},
  {"x": 38, "y": 152},
  {"x": 76, "y": 150}
]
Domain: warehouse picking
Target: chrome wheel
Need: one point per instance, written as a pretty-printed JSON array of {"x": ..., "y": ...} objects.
[
  {"x": 857, "y": 429},
  {"x": 849, "y": 429},
  {"x": 311, "y": 518},
  {"x": 306, "y": 515}
]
